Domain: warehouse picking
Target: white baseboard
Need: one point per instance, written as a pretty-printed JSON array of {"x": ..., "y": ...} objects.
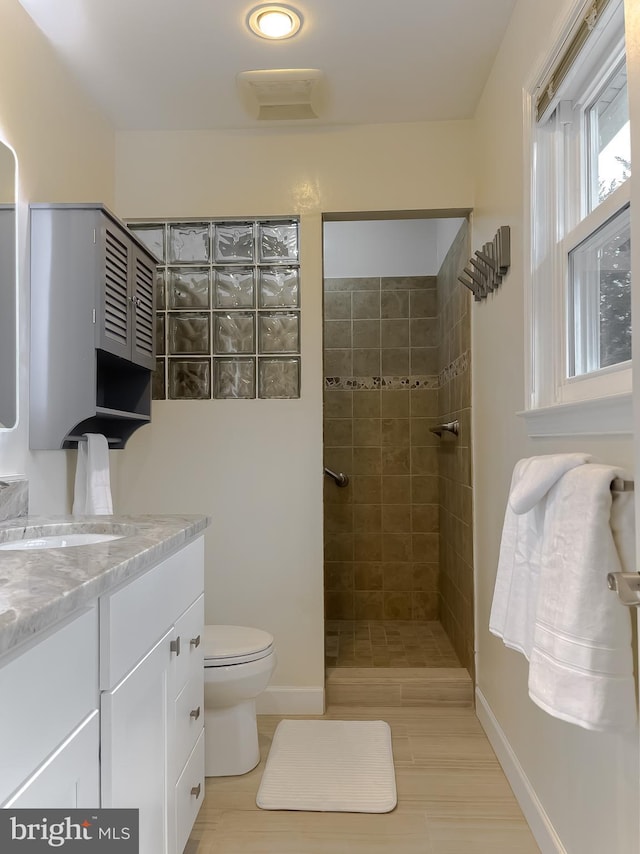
[
  {"x": 289, "y": 700},
  {"x": 538, "y": 820}
]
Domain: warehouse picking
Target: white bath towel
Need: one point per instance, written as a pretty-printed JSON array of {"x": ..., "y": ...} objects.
[
  {"x": 581, "y": 664},
  {"x": 515, "y": 594},
  {"x": 92, "y": 491}
]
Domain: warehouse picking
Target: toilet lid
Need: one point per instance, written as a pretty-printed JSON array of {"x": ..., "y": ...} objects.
[{"x": 225, "y": 645}]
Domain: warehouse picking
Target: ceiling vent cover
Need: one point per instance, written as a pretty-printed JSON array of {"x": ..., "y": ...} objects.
[{"x": 282, "y": 93}]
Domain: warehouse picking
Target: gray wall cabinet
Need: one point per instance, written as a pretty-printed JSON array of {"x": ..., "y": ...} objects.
[{"x": 92, "y": 326}]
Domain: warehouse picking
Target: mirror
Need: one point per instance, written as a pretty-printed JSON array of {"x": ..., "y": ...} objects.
[{"x": 8, "y": 289}]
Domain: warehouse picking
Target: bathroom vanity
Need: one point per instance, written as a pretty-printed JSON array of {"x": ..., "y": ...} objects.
[{"x": 101, "y": 672}]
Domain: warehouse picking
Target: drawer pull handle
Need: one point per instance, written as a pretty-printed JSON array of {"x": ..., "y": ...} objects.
[
  {"x": 175, "y": 645},
  {"x": 196, "y": 790},
  {"x": 195, "y": 713},
  {"x": 195, "y": 642}
]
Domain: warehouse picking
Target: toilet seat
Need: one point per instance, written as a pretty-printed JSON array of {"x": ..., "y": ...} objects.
[{"x": 226, "y": 645}]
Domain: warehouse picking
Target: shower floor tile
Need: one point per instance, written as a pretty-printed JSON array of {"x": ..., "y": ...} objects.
[{"x": 388, "y": 643}]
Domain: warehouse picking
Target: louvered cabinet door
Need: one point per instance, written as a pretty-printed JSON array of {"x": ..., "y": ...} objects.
[
  {"x": 115, "y": 323},
  {"x": 142, "y": 342}
]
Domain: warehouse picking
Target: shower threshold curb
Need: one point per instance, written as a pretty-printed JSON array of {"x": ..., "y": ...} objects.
[{"x": 399, "y": 686}]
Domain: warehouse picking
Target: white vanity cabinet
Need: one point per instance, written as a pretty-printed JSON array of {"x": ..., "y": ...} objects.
[
  {"x": 49, "y": 735},
  {"x": 151, "y": 674}
]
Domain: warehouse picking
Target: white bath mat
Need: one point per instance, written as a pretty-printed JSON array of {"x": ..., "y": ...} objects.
[{"x": 329, "y": 766}]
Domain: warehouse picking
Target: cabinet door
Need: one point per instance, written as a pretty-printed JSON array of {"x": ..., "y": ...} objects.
[
  {"x": 70, "y": 778},
  {"x": 142, "y": 290},
  {"x": 114, "y": 321},
  {"x": 136, "y": 728},
  {"x": 189, "y": 794}
]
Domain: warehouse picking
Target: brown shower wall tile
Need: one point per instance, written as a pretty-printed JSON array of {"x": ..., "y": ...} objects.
[
  {"x": 395, "y": 404},
  {"x": 396, "y": 518},
  {"x": 423, "y": 402},
  {"x": 368, "y": 605},
  {"x": 366, "y": 431},
  {"x": 425, "y": 518},
  {"x": 396, "y": 489},
  {"x": 367, "y": 518},
  {"x": 338, "y": 432},
  {"x": 339, "y": 576},
  {"x": 337, "y": 334},
  {"x": 367, "y": 575},
  {"x": 398, "y": 606},
  {"x": 338, "y": 404},
  {"x": 339, "y": 519},
  {"x": 367, "y": 461},
  {"x": 383, "y": 532},
  {"x": 352, "y": 284},
  {"x": 366, "y": 404},
  {"x": 394, "y": 432},
  {"x": 394, "y": 304},
  {"x": 366, "y": 489},
  {"x": 396, "y": 461},
  {"x": 454, "y": 403}
]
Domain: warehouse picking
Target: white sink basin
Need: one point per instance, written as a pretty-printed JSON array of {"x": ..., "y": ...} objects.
[{"x": 58, "y": 541}]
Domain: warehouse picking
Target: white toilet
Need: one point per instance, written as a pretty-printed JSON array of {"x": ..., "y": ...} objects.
[{"x": 238, "y": 663}]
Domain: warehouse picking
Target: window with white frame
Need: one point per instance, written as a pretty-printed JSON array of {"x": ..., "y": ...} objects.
[{"x": 580, "y": 220}]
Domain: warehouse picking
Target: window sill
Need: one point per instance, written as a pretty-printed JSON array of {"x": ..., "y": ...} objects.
[{"x": 606, "y": 416}]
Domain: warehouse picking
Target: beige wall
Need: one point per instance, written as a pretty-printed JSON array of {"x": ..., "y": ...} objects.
[
  {"x": 256, "y": 466},
  {"x": 65, "y": 152},
  {"x": 586, "y": 782}
]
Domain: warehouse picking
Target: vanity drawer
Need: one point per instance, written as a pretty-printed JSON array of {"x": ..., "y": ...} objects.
[
  {"x": 56, "y": 680},
  {"x": 134, "y": 617},
  {"x": 189, "y": 794},
  {"x": 189, "y": 720},
  {"x": 189, "y": 628}
]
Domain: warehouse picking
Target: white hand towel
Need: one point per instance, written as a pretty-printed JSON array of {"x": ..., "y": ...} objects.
[
  {"x": 92, "y": 491},
  {"x": 515, "y": 594},
  {"x": 581, "y": 665}
]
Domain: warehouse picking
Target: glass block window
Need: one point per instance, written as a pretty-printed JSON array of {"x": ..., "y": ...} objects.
[{"x": 227, "y": 308}]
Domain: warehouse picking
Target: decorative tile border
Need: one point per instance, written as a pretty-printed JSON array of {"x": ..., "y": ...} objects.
[
  {"x": 454, "y": 369},
  {"x": 428, "y": 381}
]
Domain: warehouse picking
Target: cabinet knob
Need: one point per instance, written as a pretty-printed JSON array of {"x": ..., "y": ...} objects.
[
  {"x": 196, "y": 790},
  {"x": 195, "y": 713},
  {"x": 174, "y": 646},
  {"x": 195, "y": 642}
]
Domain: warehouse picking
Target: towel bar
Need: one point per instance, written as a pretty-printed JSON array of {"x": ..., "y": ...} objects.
[
  {"x": 620, "y": 485},
  {"x": 627, "y": 586},
  {"x": 340, "y": 478},
  {"x": 110, "y": 439}
]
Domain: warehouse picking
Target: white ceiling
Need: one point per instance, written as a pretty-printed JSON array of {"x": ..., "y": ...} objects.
[{"x": 172, "y": 64}]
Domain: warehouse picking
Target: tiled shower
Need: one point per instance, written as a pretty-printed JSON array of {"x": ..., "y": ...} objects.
[{"x": 398, "y": 563}]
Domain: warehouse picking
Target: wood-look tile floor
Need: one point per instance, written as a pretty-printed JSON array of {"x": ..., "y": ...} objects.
[
  {"x": 453, "y": 798},
  {"x": 387, "y": 643}
]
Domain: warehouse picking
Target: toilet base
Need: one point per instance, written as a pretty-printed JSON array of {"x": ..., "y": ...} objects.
[{"x": 230, "y": 740}]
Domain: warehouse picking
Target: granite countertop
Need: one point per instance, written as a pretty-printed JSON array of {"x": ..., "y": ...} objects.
[{"x": 40, "y": 587}]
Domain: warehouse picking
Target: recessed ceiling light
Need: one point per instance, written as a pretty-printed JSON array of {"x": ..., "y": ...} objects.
[{"x": 271, "y": 21}]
